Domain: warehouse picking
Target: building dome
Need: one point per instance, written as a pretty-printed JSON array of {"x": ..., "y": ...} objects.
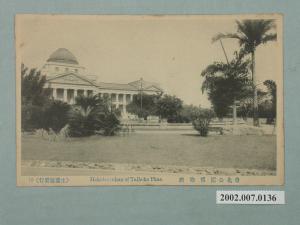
[{"x": 63, "y": 55}]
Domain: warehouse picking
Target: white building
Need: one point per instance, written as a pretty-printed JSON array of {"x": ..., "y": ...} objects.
[{"x": 67, "y": 79}]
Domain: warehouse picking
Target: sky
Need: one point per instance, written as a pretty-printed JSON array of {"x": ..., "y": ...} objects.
[{"x": 169, "y": 50}]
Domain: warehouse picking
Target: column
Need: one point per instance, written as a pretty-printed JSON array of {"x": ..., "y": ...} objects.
[
  {"x": 110, "y": 100},
  {"x": 84, "y": 92},
  {"x": 65, "y": 95},
  {"x": 75, "y": 95},
  {"x": 131, "y": 97},
  {"x": 117, "y": 100},
  {"x": 54, "y": 93},
  {"x": 124, "y": 103}
]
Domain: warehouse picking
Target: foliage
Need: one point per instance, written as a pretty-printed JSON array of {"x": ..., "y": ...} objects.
[
  {"x": 31, "y": 116},
  {"x": 201, "y": 121},
  {"x": 225, "y": 83},
  {"x": 272, "y": 89},
  {"x": 245, "y": 108},
  {"x": 186, "y": 114},
  {"x": 55, "y": 115},
  {"x": 34, "y": 98},
  {"x": 250, "y": 34},
  {"x": 169, "y": 107},
  {"x": 143, "y": 105},
  {"x": 92, "y": 114},
  {"x": 110, "y": 124}
]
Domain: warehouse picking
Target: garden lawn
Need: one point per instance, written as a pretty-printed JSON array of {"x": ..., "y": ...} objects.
[{"x": 245, "y": 152}]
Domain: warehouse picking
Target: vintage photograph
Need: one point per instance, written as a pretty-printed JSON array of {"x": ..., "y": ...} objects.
[{"x": 149, "y": 100}]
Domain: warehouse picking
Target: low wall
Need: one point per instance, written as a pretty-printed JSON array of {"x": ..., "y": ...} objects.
[{"x": 174, "y": 126}]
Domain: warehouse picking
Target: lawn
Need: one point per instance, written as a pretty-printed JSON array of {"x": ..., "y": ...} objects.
[{"x": 244, "y": 152}]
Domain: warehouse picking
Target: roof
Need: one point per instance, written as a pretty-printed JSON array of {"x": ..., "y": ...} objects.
[
  {"x": 51, "y": 78},
  {"x": 133, "y": 86},
  {"x": 63, "y": 55},
  {"x": 141, "y": 84},
  {"x": 116, "y": 86}
]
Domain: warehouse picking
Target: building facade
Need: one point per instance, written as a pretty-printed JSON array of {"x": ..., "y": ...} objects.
[{"x": 67, "y": 79}]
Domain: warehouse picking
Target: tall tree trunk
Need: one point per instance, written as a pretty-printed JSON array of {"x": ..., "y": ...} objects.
[
  {"x": 234, "y": 112},
  {"x": 255, "y": 100}
]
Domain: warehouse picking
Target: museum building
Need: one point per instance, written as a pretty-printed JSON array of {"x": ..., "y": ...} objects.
[{"x": 67, "y": 79}]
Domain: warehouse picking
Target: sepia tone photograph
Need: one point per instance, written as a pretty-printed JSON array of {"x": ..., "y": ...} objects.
[{"x": 149, "y": 100}]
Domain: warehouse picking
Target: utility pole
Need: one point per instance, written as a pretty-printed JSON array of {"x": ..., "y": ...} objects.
[
  {"x": 234, "y": 101},
  {"x": 224, "y": 52},
  {"x": 141, "y": 94}
]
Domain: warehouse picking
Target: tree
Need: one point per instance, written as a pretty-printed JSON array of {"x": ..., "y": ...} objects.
[
  {"x": 226, "y": 83},
  {"x": 187, "y": 112},
  {"x": 272, "y": 89},
  {"x": 55, "y": 115},
  {"x": 169, "y": 107},
  {"x": 34, "y": 97},
  {"x": 251, "y": 34},
  {"x": 92, "y": 114},
  {"x": 147, "y": 108},
  {"x": 245, "y": 108}
]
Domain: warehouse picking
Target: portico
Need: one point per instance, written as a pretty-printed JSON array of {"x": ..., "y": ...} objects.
[
  {"x": 67, "y": 80},
  {"x": 68, "y": 93}
]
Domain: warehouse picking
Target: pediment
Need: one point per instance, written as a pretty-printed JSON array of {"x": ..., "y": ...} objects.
[
  {"x": 153, "y": 88},
  {"x": 70, "y": 79}
]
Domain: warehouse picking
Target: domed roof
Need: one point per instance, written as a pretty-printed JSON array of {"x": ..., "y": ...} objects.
[{"x": 63, "y": 55}]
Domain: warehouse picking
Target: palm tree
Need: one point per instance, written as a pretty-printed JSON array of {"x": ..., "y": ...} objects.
[
  {"x": 250, "y": 34},
  {"x": 92, "y": 114}
]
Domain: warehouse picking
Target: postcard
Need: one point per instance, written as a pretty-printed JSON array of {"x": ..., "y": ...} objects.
[{"x": 149, "y": 100}]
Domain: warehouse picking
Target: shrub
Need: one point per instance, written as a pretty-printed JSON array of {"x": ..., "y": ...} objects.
[
  {"x": 32, "y": 117},
  {"x": 82, "y": 122},
  {"x": 201, "y": 121},
  {"x": 109, "y": 124},
  {"x": 55, "y": 115},
  {"x": 91, "y": 115}
]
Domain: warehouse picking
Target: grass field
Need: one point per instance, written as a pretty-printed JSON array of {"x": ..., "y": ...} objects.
[{"x": 245, "y": 152}]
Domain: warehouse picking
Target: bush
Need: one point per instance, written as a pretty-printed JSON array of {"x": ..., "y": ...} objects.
[
  {"x": 32, "y": 117},
  {"x": 82, "y": 122},
  {"x": 91, "y": 115},
  {"x": 55, "y": 115},
  {"x": 201, "y": 121},
  {"x": 110, "y": 124}
]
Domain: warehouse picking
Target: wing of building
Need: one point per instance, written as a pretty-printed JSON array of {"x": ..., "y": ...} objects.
[{"x": 67, "y": 79}]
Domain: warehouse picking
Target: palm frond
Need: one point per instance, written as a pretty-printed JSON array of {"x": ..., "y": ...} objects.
[
  {"x": 220, "y": 36},
  {"x": 254, "y": 31},
  {"x": 269, "y": 37}
]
